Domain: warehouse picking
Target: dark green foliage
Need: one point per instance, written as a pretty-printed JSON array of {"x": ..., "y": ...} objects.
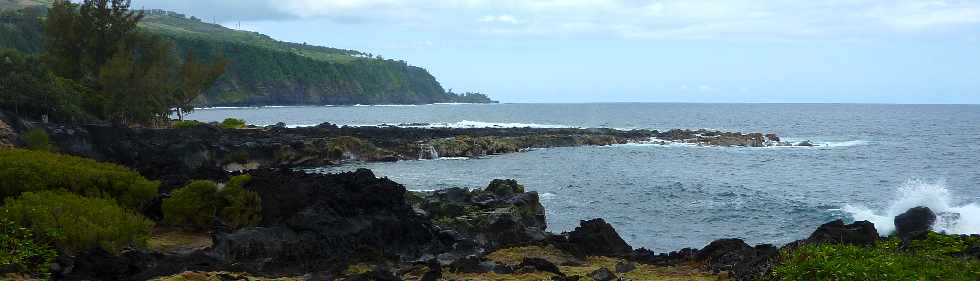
[
  {"x": 24, "y": 171},
  {"x": 37, "y": 139},
  {"x": 185, "y": 124},
  {"x": 192, "y": 205},
  {"x": 200, "y": 202},
  {"x": 75, "y": 223},
  {"x": 263, "y": 71},
  {"x": 232, "y": 123},
  {"x": 21, "y": 252},
  {"x": 29, "y": 89},
  {"x": 240, "y": 207},
  {"x": 930, "y": 259}
]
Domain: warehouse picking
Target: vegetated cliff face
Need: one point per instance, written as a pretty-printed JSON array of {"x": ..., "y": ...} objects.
[{"x": 262, "y": 70}]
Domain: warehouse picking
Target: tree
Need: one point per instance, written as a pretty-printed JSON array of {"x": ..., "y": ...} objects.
[
  {"x": 134, "y": 76},
  {"x": 195, "y": 79},
  {"x": 82, "y": 38}
]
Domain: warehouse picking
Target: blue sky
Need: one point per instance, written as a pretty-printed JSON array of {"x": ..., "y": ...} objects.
[{"x": 894, "y": 51}]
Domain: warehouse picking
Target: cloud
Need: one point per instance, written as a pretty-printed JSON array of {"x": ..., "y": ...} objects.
[
  {"x": 499, "y": 19},
  {"x": 652, "y": 19}
]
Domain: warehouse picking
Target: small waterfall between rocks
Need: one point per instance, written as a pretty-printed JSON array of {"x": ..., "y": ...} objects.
[{"x": 427, "y": 151}]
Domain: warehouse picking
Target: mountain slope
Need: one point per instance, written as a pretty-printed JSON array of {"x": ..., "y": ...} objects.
[{"x": 263, "y": 71}]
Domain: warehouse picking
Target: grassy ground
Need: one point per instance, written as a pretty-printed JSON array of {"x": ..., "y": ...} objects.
[
  {"x": 221, "y": 276},
  {"x": 173, "y": 240}
]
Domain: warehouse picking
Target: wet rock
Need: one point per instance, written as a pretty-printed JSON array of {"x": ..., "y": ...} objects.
[
  {"x": 836, "y": 232},
  {"x": 595, "y": 238},
  {"x": 914, "y": 223},
  {"x": 539, "y": 264},
  {"x": 602, "y": 274},
  {"x": 806, "y": 143}
]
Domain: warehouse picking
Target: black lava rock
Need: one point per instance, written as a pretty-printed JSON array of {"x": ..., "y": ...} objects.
[{"x": 914, "y": 223}]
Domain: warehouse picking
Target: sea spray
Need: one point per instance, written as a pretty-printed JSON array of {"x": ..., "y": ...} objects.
[{"x": 962, "y": 219}]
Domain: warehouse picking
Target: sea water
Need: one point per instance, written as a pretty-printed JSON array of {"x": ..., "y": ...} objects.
[{"x": 872, "y": 162}]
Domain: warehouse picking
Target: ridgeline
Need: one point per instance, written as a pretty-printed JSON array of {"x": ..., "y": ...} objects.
[{"x": 261, "y": 70}]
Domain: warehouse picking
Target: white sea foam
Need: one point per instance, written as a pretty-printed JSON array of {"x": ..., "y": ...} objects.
[
  {"x": 957, "y": 219},
  {"x": 479, "y": 124},
  {"x": 819, "y": 144}
]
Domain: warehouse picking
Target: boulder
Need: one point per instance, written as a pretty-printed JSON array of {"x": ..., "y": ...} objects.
[
  {"x": 914, "y": 223},
  {"x": 645, "y": 256},
  {"x": 593, "y": 238},
  {"x": 735, "y": 256},
  {"x": 836, "y": 232},
  {"x": 602, "y": 274},
  {"x": 539, "y": 264}
]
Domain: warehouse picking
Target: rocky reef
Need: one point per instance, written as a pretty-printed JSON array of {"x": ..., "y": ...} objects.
[{"x": 175, "y": 156}]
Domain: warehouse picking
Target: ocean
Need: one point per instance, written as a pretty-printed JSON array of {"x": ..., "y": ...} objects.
[{"x": 872, "y": 162}]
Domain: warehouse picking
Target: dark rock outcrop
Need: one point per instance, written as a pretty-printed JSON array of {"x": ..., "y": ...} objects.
[
  {"x": 499, "y": 215},
  {"x": 744, "y": 262},
  {"x": 914, "y": 223},
  {"x": 313, "y": 221},
  {"x": 602, "y": 274},
  {"x": 836, "y": 232},
  {"x": 593, "y": 238},
  {"x": 539, "y": 264}
]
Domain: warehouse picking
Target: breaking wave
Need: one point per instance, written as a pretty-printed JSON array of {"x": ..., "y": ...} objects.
[{"x": 951, "y": 218}]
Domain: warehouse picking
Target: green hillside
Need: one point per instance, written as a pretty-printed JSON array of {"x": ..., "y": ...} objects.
[{"x": 262, "y": 70}]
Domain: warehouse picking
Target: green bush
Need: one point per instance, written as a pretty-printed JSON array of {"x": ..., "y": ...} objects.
[
  {"x": 232, "y": 123},
  {"x": 929, "y": 259},
  {"x": 37, "y": 139},
  {"x": 200, "y": 202},
  {"x": 26, "y": 170},
  {"x": 194, "y": 204},
  {"x": 240, "y": 207},
  {"x": 186, "y": 124},
  {"x": 20, "y": 252},
  {"x": 75, "y": 223}
]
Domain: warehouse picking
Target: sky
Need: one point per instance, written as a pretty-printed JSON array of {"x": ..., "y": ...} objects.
[{"x": 829, "y": 51}]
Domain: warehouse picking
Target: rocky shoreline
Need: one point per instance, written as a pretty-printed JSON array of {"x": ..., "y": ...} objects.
[
  {"x": 319, "y": 227},
  {"x": 175, "y": 156},
  {"x": 356, "y": 226}
]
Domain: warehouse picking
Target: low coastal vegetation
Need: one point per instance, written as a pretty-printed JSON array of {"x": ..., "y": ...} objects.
[
  {"x": 200, "y": 202},
  {"x": 75, "y": 224},
  {"x": 937, "y": 257},
  {"x": 33, "y": 171}
]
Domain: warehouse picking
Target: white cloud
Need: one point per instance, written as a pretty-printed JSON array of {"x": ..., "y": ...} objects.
[
  {"x": 769, "y": 19},
  {"x": 499, "y": 19}
]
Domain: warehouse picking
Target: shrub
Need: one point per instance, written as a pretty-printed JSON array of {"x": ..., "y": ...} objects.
[
  {"x": 240, "y": 207},
  {"x": 232, "y": 123},
  {"x": 186, "y": 124},
  {"x": 25, "y": 170},
  {"x": 20, "y": 252},
  {"x": 37, "y": 139},
  {"x": 75, "y": 223},
  {"x": 198, "y": 203},
  {"x": 194, "y": 204},
  {"x": 929, "y": 259}
]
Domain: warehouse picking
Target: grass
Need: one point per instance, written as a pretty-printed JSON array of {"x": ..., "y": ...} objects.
[
  {"x": 220, "y": 276},
  {"x": 173, "y": 240},
  {"x": 571, "y": 266},
  {"x": 929, "y": 259}
]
